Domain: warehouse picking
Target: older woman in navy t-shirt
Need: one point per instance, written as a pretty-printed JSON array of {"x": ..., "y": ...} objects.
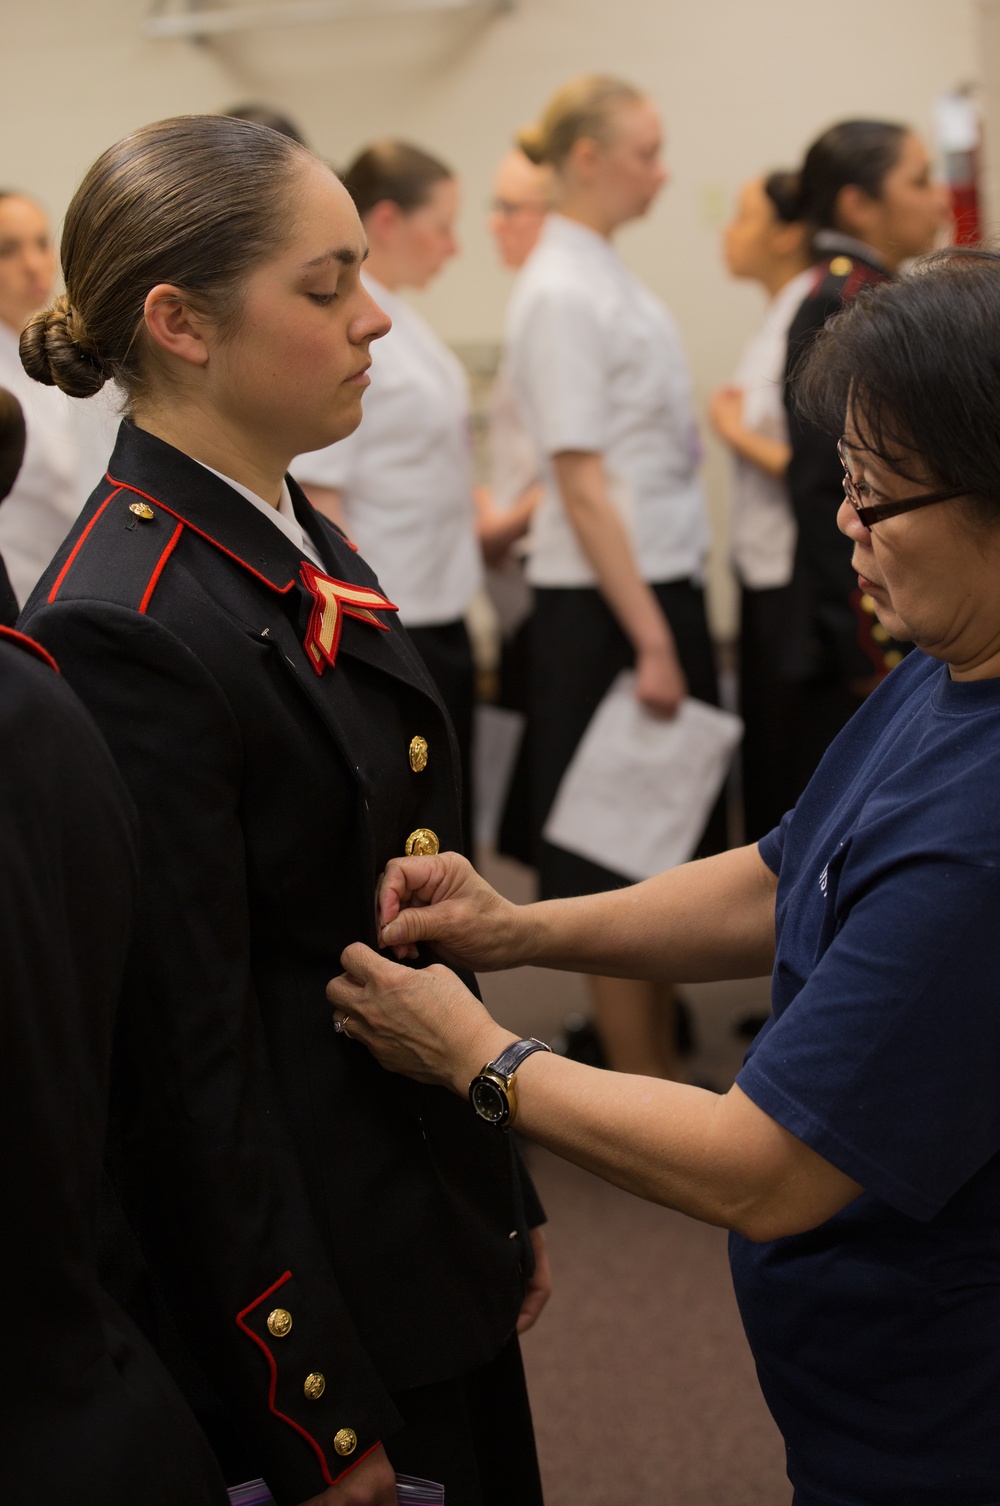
[{"x": 856, "y": 1160}]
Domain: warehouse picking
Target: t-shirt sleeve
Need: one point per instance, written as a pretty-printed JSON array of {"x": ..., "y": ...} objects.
[
  {"x": 333, "y": 467},
  {"x": 887, "y": 1061},
  {"x": 560, "y": 363},
  {"x": 772, "y": 846}
]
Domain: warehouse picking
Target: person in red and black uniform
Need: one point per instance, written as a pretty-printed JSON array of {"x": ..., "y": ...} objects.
[
  {"x": 12, "y": 441},
  {"x": 341, "y": 1271},
  {"x": 868, "y": 198}
]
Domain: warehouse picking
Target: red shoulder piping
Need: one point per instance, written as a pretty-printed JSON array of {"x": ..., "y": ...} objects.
[
  {"x": 281, "y": 590},
  {"x": 80, "y": 541},
  {"x": 30, "y": 646},
  {"x": 274, "y": 1382},
  {"x": 151, "y": 587}
]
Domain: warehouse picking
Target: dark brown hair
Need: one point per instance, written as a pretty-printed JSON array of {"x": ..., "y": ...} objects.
[
  {"x": 784, "y": 189},
  {"x": 12, "y": 437},
  {"x": 859, "y": 152},
  {"x": 393, "y": 170},
  {"x": 197, "y": 201},
  {"x": 265, "y": 116}
]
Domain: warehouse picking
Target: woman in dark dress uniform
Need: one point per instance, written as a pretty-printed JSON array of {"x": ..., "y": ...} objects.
[
  {"x": 868, "y": 198},
  {"x": 344, "y": 1270}
]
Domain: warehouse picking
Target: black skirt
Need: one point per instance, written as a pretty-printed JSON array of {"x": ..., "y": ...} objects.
[{"x": 578, "y": 649}]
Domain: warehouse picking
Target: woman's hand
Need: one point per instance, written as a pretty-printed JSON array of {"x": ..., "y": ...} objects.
[
  {"x": 444, "y": 900},
  {"x": 539, "y": 1288},
  {"x": 370, "y": 1483},
  {"x": 660, "y": 685},
  {"x": 425, "y": 1024},
  {"x": 725, "y": 413}
]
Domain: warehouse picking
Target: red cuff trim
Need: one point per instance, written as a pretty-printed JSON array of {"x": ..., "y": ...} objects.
[
  {"x": 272, "y": 1367},
  {"x": 151, "y": 587},
  {"x": 30, "y": 646},
  {"x": 80, "y": 543},
  {"x": 355, "y": 1462}
]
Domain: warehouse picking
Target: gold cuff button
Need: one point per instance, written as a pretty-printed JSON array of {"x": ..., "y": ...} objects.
[
  {"x": 315, "y": 1385},
  {"x": 422, "y": 843},
  {"x": 418, "y": 754},
  {"x": 279, "y": 1323},
  {"x": 345, "y": 1441},
  {"x": 142, "y": 510}
]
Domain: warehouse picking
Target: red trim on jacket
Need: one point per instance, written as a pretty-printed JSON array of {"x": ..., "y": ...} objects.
[
  {"x": 30, "y": 646},
  {"x": 79, "y": 544},
  {"x": 281, "y": 590},
  {"x": 151, "y": 586},
  {"x": 272, "y": 1367}
]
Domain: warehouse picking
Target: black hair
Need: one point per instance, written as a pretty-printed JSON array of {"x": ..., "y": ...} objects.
[
  {"x": 916, "y": 362},
  {"x": 12, "y": 437},
  {"x": 784, "y": 189},
  {"x": 393, "y": 170},
  {"x": 263, "y": 115},
  {"x": 859, "y": 152}
]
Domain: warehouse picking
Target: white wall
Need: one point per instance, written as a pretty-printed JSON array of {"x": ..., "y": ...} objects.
[{"x": 743, "y": 87}]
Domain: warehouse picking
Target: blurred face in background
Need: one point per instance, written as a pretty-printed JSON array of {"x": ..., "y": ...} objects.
[
  {"x": 756, "y": 243},
  {"x": 421, "y": 240},
  {"x": 27, "y": 260},
  {"x": 910, "y": 211},
  {"x": 521, "y": 194},
  {"x": 628, "y": 170}
]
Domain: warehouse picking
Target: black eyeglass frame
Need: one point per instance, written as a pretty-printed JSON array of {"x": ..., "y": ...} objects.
[{"x": 877, "y": 512}]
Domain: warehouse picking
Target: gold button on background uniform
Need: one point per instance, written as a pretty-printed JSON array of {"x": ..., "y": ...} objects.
[
  {"x": 418, "y": 754},
  {"x": 422, "y": 843},
  {"x": 345, "y": 1441},
  {"x": 279, "y": 1322},
  {"x": 315, "y": 1385},
  {"x": 868, "y": 604},
  {"x": 841, "y": 266},
  {"x": 142, "y": 511}
]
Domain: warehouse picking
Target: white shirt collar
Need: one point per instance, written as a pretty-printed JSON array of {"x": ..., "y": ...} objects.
[
  {"x": 282, "y": 516},
  {"x": 566, "y": 232}
]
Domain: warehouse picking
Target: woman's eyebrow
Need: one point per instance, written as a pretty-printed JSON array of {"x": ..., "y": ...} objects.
[{"x": 346, "y": 255}]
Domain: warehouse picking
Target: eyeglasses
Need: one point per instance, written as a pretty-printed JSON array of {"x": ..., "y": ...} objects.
[
  {"x": 877, "y": 512},
  {"x": 507, "y": 209}
]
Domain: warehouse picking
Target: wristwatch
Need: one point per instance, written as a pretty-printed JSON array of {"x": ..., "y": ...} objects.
[{"x": 491, "y": 1091}]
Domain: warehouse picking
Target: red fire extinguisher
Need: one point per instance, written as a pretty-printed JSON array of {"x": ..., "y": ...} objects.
[{"x": 958, "y": 130}]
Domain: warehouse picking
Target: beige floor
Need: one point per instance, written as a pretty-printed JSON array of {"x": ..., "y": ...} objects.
[{"x": 642, "y": 1385}]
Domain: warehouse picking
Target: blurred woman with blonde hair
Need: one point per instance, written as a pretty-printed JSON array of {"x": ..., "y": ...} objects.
[{"x": 621, "y": 533}]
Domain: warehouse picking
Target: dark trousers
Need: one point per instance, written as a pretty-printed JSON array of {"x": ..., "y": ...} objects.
[
  {"x": 578, "y": 649},
  {"x": 769, "y": 783},
  {"x": 447, "y": 651},
  {"x": 472, "y": 1435}
]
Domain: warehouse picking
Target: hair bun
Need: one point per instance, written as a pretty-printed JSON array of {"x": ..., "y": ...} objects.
[
  {"x": 53, "y": 351},
  {"x": 533, "y": 144}
]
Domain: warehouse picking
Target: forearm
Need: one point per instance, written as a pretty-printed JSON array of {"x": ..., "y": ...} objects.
[
  {"x": 703, "y": 921},
  {"x": 769, "y": 455},
  {"x": 602, "y": 537}
]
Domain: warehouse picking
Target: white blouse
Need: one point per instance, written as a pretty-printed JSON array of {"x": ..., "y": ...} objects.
[
  {"x": 763, "y": 524},
  {"x": 598, "y": 366},
  {"x": 68, "y": 444},
  {"x": 406, "y": 471}
]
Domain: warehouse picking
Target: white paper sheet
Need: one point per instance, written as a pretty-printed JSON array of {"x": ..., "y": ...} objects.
[
  {"x": 639, "y": 789},
  {"x": 496, "y": 741}
]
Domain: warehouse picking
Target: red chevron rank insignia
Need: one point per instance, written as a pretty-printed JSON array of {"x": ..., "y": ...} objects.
[{"x": 332, "y": 601}]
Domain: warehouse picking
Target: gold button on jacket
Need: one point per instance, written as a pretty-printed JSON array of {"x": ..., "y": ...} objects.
[
  {"x": 418, "y": 754},
  {"x": 422, "y": 843},
  {"x": 142, "y": 510},
  {"x": 345, "y": 1441},
  {"x": 315, "y": 1385},
  {"x": 279, "y": 1323}
]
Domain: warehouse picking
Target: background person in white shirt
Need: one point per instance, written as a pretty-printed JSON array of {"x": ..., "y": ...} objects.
[
  {"x": 766, "y": 242},
  {"x": 48, "y": 492},
  {"x": 620, "y": 536},
  {"x": 401, "y": 485}
]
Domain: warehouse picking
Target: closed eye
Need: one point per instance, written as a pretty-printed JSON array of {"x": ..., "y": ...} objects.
[{"x": 323, "y": 299}]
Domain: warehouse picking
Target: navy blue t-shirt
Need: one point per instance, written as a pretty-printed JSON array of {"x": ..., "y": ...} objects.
[{"x": 877, "y": 1335}]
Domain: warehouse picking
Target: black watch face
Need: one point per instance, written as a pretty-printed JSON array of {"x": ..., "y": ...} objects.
[{"x": 489, "y": 1101}]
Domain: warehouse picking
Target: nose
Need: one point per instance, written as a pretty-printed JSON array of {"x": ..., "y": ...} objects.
[
  {"x": 372, "y": 323},
  {"x": 851, "y": 525}
]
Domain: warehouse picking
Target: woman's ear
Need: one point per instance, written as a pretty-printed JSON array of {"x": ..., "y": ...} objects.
[
  {"x": 856, "y": 211},
  {"x": 174, "y": 326},
  {"x": 381, "y": 220}
]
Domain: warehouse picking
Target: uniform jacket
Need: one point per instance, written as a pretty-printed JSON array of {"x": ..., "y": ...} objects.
[
  {"x": 89, "y": 1415},
  {"x": 833, "y": 632},
  {"x": 269, "y": 1165}
]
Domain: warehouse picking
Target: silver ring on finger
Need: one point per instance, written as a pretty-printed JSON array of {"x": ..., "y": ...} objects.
[{"x": 340, "y": 1026}]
